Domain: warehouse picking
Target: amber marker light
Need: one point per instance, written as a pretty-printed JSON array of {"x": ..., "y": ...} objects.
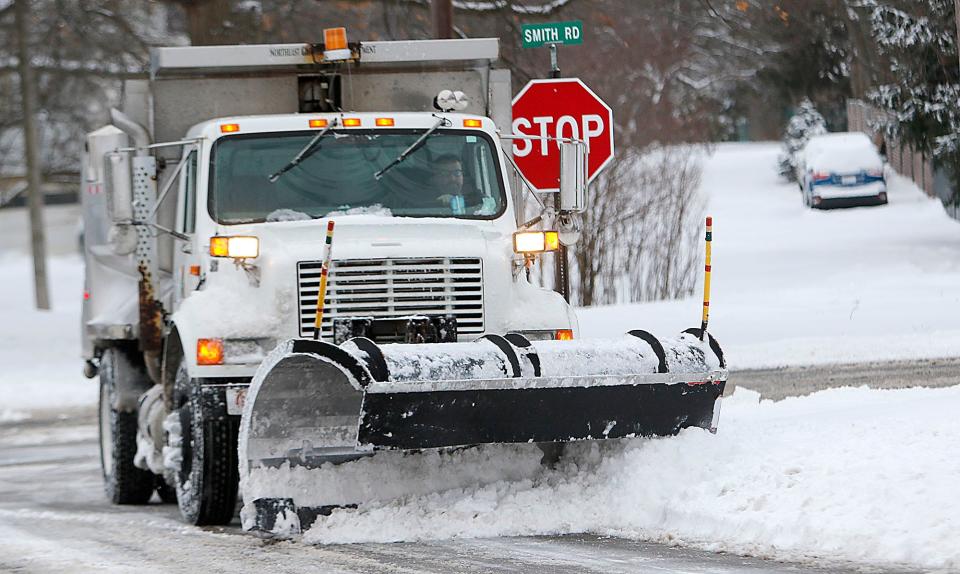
[
  {"x": 318, "y": 123},
  {"x": 472, "y": 123},
  {"x": 229, "y": 128},
  {"x": 551, "y": 240},
  {"x": 209, "y": 351},
  {"x": 384, "y": 122},
  {"x": 335, "y": 39},
  {"x": 351, "y": 122},
  {"x": 564, "y": 335}
]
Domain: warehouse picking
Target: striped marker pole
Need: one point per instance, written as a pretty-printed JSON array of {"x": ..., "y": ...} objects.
[
  {"x": 706, "y": 282},
  {"x": 322, "y": 293}
]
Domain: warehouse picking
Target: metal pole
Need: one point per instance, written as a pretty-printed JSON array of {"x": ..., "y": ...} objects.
[
  {"x": 34, "y": 192},
  {"x": 561, "y": 278},
  {"x": 442, "y": 18},
  {"x": 555, "y": 67}
]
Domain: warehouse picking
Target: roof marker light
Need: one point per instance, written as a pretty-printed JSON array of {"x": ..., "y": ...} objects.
[
  {"x": 384, "y": 122},
  {"x": 318, "y": 123},
  {"x": 351, "y": 122},
  {"x": 229, "y": 128},
  {"x": 472, "y": 123}
]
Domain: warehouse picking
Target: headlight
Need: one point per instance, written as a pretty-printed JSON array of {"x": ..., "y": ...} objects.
[
  {"x": 238, "y": 247},
  {"x": 535, "y": 241}
]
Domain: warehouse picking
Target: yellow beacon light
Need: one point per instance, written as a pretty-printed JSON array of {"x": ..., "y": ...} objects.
[{"x": 335, "y": 45}]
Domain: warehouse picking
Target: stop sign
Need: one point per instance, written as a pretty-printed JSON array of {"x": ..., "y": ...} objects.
[{"x": 559, "y": 108}]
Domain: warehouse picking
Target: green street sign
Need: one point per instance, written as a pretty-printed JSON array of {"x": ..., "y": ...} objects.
[{"x": 536, "y": 35}]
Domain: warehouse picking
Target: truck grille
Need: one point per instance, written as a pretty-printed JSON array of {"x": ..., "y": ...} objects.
[{"x": 393, "y": 288}]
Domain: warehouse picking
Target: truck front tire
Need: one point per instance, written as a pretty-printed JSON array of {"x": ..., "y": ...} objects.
[
  {"x": 124, "y": 483},
  {"x": 208, "y": 478}
]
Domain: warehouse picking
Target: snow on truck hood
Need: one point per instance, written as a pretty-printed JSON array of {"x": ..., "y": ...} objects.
[{"x": 373, "y": 237}]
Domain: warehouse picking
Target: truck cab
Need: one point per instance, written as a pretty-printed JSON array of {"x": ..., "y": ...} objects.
[{"x": 432, "y": 235}]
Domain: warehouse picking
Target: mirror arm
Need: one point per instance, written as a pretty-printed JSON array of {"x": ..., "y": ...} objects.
[
  {"x": 168, "y": 185},
  {"x": 162, "y": 229}
]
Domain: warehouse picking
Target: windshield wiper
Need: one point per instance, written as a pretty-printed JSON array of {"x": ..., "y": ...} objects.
[
  {"x": 307, "y": 151},
  {"x": 413, "y": 147}
]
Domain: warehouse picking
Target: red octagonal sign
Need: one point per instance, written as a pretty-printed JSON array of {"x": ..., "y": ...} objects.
[{"x": 559, "y": 108}]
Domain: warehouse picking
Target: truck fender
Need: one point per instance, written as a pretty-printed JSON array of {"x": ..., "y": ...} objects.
[
  {"x": 129, "y": 377},
  {"x": 182, "y": 342}
]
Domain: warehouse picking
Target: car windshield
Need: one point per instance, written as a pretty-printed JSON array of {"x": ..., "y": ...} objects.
[{"x": 453, "y": 174}]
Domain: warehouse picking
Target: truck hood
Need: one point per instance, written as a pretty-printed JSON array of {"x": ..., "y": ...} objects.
[{"x": 380, "y": 237}]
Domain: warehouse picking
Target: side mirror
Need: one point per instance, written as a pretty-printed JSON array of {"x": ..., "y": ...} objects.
[
  {"x": 573, "y": 176},
  {"x": 117, "y": 186}
]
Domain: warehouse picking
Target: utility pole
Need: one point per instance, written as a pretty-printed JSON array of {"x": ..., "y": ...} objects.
[
  {"x": 956, "y": 15},
  {"x": 442, "y": 19},
  {"x": 28, "y": 95}
]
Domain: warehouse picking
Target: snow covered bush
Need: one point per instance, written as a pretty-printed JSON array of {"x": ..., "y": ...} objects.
[
  {"x": 804, "y": 124},
  {"x": 922, "y": 94}
]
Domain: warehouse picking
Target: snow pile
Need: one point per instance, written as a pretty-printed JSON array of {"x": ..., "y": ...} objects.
[
  {"x": 795, "y": 286},
  {"x": 847, "y": 474},
  {"x": 375, "y": 210},
  {"x": 287, "y": 215}
]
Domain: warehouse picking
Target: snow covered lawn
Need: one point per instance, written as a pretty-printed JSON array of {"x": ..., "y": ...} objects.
[
  {"x": 40, "y": 350},
  {"x": 795, "y": 286}
]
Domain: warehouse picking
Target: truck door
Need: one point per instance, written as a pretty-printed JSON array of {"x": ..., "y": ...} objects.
[{"x": 187, "y": 268}]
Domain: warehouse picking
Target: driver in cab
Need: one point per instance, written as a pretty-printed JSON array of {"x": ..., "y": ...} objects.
[{"x": 447, "y": 179}]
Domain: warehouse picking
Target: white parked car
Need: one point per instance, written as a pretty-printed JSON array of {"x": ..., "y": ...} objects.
[{"x": 841, "y": 169}]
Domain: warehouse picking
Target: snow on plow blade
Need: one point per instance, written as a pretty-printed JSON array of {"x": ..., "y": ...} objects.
[{"x": 313, "y": 402}]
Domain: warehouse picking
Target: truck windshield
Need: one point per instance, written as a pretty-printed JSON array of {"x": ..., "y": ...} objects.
[{"x": 454, "y": 174}]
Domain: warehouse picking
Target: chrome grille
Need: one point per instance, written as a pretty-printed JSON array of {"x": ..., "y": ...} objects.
[{"x": 393, "y": 288}]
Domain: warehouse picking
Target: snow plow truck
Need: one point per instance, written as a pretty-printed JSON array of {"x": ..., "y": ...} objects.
[{"x": 227, "y": 343}]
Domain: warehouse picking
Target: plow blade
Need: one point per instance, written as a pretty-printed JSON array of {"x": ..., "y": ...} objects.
[{"x": 312, "y": 403}]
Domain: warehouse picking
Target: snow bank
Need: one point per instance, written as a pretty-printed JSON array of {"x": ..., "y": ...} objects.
[{"x": 846, "y": 474}]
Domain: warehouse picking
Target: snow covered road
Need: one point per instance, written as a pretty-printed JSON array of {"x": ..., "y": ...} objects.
[{"x": 54, "y": 519}]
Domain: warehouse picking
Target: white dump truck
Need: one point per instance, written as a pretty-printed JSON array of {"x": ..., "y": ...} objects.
[{"x": 207, "y": 203}]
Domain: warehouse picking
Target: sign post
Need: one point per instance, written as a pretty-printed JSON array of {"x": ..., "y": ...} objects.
[{"x": 553, "y": 34}]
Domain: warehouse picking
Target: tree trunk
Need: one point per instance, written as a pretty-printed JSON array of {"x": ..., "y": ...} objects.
[{"x": 28, "y": 94}]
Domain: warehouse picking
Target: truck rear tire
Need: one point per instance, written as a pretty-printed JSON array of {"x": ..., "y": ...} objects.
[
  {"x": 209, "y": 477},
  {"x": 123, "y": 482}
]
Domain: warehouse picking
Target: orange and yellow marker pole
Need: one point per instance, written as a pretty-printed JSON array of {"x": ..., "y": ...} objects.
[
  {"x": 706, "y": 282},
  {"x": 322, "y": 293}
]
